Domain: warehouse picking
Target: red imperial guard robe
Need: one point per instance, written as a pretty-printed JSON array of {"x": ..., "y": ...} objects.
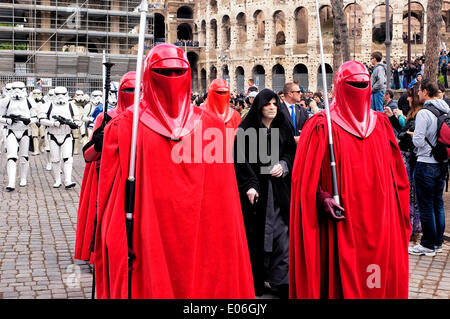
[
  {"x": 366, "y": 254},
  {"x": 188, "y": 235},
  {"x": 87, "y": 207},
  {"x": 217, "y": 103}
]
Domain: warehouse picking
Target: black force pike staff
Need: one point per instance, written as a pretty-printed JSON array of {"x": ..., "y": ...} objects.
[
  {"x": 130, "y": 185},
  {"x": 327, "y": 111}
]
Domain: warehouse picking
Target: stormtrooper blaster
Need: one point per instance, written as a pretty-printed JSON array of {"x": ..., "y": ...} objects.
[
  {"x": 17, "y": 118},
  {"x": 65, "y": 121}
]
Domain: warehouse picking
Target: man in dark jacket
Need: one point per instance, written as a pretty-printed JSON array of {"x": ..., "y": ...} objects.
[{"x": 297, "y": 118}]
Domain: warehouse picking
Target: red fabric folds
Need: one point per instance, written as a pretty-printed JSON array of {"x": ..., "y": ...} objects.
[
  {"x": 366, "y": 255},
  {"x": 235, "y": 119},
  {"x": 87, "y": 206},
  {"x": 189, "y": 236}
]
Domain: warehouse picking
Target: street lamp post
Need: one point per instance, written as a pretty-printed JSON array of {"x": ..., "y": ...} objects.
[
  {"x": 409, "y": 31},
  {"x": 354, "y": 30},
  {"x": 388, "y": 47}
]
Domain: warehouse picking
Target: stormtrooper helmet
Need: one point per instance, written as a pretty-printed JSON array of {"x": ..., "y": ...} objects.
[
  {"x": 19, "y": 91},
  {"x": 50, "y": 95},
  {"x": 96, "y": 97},
  {"x": 86, "y": 98},
  {"x": 61, "y": 95},
  {"x": 36, "y": 95},
  {"x": 79, "y": 96},
  {"x": 112, "y": 97},
  {"x": 8, "y": 89}
]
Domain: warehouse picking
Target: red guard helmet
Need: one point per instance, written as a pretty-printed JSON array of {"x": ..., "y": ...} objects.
[
  {"x": 350, "y": 108},
  {"x": 126, "y": 91},
  {"x": 218, "y": 100},
  {"x": 166, "y": 84}
]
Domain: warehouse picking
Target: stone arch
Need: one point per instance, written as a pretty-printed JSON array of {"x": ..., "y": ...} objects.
[
  {"x": 301, "y": 25},
  {"x": 327, "y": 23},
  {"x": 213, "y": 6},
  {"x": 259, "y": 75},
  {"x": 212, "y": 73},
  {"x": 417, "y": 23},
  {"x": 354, "y": 17},
  {"x": 226, "y": 74},
  {"x": 193, "y": 62},
  {"x": 240, "y": 79},
  {"x": 241, "y": 24},
  {"x": 203, "y": 80},
  {"x": 329, "y": 77},
  {"x": 260, "y": 25},
  {"x": 226, "y": 32},
  {"x": 213, "y": 35},
  {"x": 379, "y": 23},
  {"x": 185, "y": 12},
  {"x": 278, "y": 77},
  {"x": 300, "y": 74},
  {"x": 184, "y": 32},
  {"x": 279, "y": 24},
  {"x": 202, "y": 35},
  {"x": 160, "y": 28}
]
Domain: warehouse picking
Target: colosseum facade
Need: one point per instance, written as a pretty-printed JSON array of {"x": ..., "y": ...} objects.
[{"x": 277, "y": 41}]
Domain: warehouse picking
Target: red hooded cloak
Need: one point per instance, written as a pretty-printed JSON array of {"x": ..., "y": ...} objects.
[
  {"x": 188, "y": 234},
  {"x": 88, "y": 192},
  {"x": 365, "y": 255}
]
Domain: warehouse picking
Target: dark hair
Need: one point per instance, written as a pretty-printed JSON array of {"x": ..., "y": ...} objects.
[
  {"x": 253, "y": 88},
  {"x": 440, "y": 86},
  {"x": 377, "y": 55},
  {"x": 318, "y": 94},
  {"x": 431, "y": 87},
  {"x": 416, "y": 105},
  {"x": 280, "y": 92},
  {"x": 391, "y": 94}
]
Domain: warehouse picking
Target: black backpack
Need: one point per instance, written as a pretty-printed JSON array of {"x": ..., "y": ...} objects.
[{"x": 441, "y": 151}]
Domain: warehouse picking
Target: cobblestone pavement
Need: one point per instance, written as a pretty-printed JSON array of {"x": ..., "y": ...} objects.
[{"x": 37, "y": 240}]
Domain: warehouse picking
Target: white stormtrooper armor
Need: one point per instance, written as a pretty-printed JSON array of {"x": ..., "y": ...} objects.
[
  {"x": 36, "y": 95},
  {"x": 45, "y": 140},
  {"x": 96, "y": 99},
  {"x": 58, "y": 118},
  {"x": 18, "y": 113},
  {"x": 112, "y": 96},
  {"x": 7, "y": 89},
  {"x": 78, "y": 134}
]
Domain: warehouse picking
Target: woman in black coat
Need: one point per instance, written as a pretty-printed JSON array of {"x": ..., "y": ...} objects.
[{"x": 264, "y": 151}]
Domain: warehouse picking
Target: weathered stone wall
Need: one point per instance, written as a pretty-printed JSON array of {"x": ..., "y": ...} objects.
[{"x": 250, "y": 19}]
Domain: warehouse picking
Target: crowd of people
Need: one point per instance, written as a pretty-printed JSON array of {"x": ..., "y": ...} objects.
[
  {"x": 189, "y": 43},
  {"x": 290, "y": 214},
  {"x": 288, "y": 219}
]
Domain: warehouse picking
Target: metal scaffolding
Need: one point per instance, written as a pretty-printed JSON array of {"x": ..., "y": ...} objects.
[{"x": 62, "y": 41}]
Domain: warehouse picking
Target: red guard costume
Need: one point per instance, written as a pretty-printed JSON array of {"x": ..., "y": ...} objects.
[
  {"x": 366, "y": 254},
  {"x": 188, "y": 234},
  {"x": 218, "y": 103},
  {"x": 88, "y": 193}
]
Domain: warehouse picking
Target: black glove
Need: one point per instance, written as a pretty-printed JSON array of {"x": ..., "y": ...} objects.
[
  {"x": 25, "y": 121},
  {"x": 328, "y": 206},
  {"x": 97, "y": 139},
  {"x": 72, "y": 125}
]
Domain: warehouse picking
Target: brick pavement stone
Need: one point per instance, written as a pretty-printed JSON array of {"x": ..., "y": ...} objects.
[{"x": 37, "y": 240}]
